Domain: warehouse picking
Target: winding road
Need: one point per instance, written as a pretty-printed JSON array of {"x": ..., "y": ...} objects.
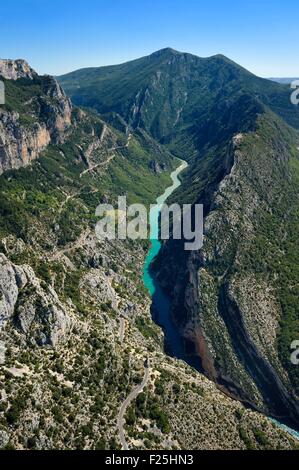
[
  {"x": 91, "y": 168},
  {"x": 106, "y": 162},
  {"x": 133, "y": 395}
]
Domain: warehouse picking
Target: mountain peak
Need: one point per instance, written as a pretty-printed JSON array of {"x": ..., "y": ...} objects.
[{"x": 167, "y": 51}]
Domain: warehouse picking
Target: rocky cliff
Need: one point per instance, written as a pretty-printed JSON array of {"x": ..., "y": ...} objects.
[
  {"x": 42, "y": 115},
  {"x": 35, "y": 310},
  {"x": 15, "y": 69}
]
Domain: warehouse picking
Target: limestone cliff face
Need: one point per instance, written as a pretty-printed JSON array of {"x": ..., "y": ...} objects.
[
  {"x": 18, "y": 145},
  {"x": 56, "y": 108},
  {"x": 37, "y": 312},
  {"x": 39, "y": 121},
  {"x": 15, "y": 69}
]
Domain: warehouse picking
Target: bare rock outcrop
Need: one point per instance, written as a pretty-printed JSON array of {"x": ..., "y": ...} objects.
[
  {"x": 15, "y": 69},
  {"x": 18, "y": 145},
  {"x": 4, "y": 438},
  {"x": 36, "y": 311},
  {"x": 12, "y": 279}
]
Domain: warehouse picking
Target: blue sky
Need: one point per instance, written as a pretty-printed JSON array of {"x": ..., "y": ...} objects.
[{"x": 58, "y": 36}]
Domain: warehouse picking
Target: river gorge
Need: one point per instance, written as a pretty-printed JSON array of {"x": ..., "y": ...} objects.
[{"x": 161, "y": 303}]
